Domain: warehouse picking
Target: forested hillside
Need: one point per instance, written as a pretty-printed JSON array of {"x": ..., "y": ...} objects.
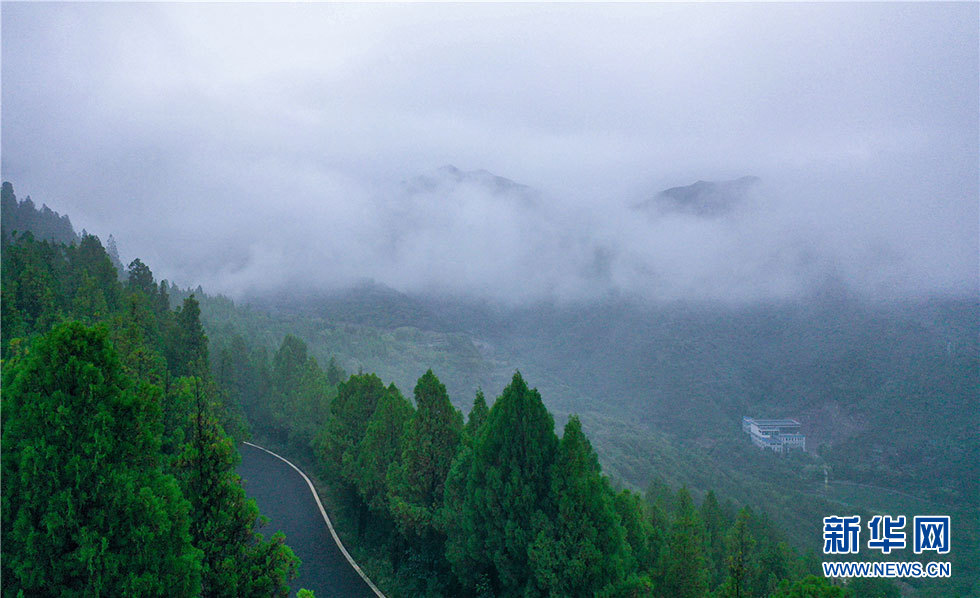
[
  {"x": 118, "y": 466},
  {"x": 120, "y": 415},
  {"x": 886, "y": 392},
  {"x": 24, "y": 216}
]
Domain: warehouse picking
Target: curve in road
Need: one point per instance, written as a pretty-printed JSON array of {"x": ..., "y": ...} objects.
[{"x": 287, "y": 497}]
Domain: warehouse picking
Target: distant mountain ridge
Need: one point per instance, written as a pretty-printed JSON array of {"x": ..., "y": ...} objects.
[
  {"x": 704, "y": 198},
  {"x": 448, "y": 176},
  {"x": 23, "y": 216},
  {"x": 19, "y": 217}
]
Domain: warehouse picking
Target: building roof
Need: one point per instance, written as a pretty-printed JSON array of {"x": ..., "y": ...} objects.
[{"x": 773, "y": 423}]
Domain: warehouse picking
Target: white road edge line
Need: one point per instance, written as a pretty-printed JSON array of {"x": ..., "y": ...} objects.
[{"x": 333, "y": 533}]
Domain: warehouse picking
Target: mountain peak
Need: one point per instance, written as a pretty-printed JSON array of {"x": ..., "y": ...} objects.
[
  {"x": 449, "y": 176},
  {"x": 706, "y": 199}
]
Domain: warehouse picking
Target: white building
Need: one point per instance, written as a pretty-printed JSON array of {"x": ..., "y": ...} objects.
[{"x": 779, "y": 435}]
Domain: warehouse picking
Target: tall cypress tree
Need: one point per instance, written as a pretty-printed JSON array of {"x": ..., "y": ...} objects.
[
  {"x": 140, "y": 278},
  {"x": 356, "y": 400},
  {"x": 417, "y": 483},
  {"x": 380, "y": 449},
  {"x": 642, "y": 537},
  {"x": 478, "y": 415},
  {"x": 188, "y": 355},
  {"x": 583, "y": 549},
  {"x": 429, "y": 446},
  {"x": 685, "y": 567},
  {"x": 741, "y": 558},
  {"x": 715, "y": 526},
  {"x": 455, "y": 490},
  {"x": 91, "y": 257},
  {"x": 289, "y": 365},
  {"x": 87, "y": 509},
  {"x": 237, "y": 562},
  {"x": 507, "y": 495}
]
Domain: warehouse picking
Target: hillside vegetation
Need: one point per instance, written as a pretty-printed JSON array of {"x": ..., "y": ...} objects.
[{"x": 494, "y": 503}]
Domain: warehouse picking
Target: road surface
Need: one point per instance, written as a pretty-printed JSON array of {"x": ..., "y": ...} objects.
[{"x": 284, "y": 496}]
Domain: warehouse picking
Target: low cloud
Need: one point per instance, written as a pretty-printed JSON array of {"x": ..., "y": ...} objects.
[{"x": 249, "y": 148}]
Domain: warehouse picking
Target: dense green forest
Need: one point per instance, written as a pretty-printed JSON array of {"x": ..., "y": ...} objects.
[
  {"x": 118, "y": 466},
  {"x": 120, "y": 416},
  {"x": 887, "y": 391},
  {"x": 894, "y": 430}
]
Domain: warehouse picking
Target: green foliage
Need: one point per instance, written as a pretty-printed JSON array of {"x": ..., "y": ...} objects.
[
  {"x": 380, "y": 449},
  {"x": 23, "y": 216},
  {"x": 141, "y": 278},
  {"x": 514, "y": 521},
  {"x": 685, "y": 567},
  {"x": 507, "y": 495},
  {"x": 429, "y": 445},
  {"x": 478, "y": 415},
  {"x": 87, "y": 506},
  {"x": 335, "y": 374},
  {"x": 135, "y": 332},
  {"x": 89, "y": 305},
  {"x": 715, "y": 524},
  {"x": 245, "y": 374},
  {"x": 416, "y": 482},
  {"x": 634, "y": 586},
  {"x": 237, "y": 561},
  {"x": 189, "y": 348},
  {"x": 90, "y": 257},
  {"x": 96, "y": 426},
  {"x": 583, "y": 548},
  {"x": 644, "y": 533},
  {"x": 873, "y": 587},
  {"x": 33, "y": 286},
  {"x": 810, "y": 587},
  {"x": 298, "y": 403},
  {"x": 741, "y": 559},
  {"x": 288, "y": 364},
  {"x": 355, "y": 403}
]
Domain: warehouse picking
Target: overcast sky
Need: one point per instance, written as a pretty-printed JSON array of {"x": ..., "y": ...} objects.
[{"x": 249, "y": 146}]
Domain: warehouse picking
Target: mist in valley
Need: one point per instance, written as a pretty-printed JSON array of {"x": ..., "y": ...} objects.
[
  {"x": 664, "y": 216},
  {"x": 511, "y": 154}
]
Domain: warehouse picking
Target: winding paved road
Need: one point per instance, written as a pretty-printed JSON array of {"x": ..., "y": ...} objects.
[{"x": 286, "y": 498}]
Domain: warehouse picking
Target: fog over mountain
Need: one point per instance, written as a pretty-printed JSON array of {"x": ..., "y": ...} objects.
[
  {"x": 703, "y": 198},
  {"x": 509, "y": 152}
]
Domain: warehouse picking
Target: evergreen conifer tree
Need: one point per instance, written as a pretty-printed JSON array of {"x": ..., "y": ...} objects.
[
  {"x": 237, "y": 562},
  {"x": 583, "y": 548},
  {"x": 685, "y": 567},
  {"x": 189, "y": 346},
  {"x": 507, "y": 495},
  {"x": 380, "y": 449},
  {"x": 429, "y": 445},
  {"x": 478, "y": 415},
  {"x": 740, "y": 558},
  {"x": 715, "y": 527},
  {"x": 356, "y": 400},
  {"x": 87, "y": 509}
]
